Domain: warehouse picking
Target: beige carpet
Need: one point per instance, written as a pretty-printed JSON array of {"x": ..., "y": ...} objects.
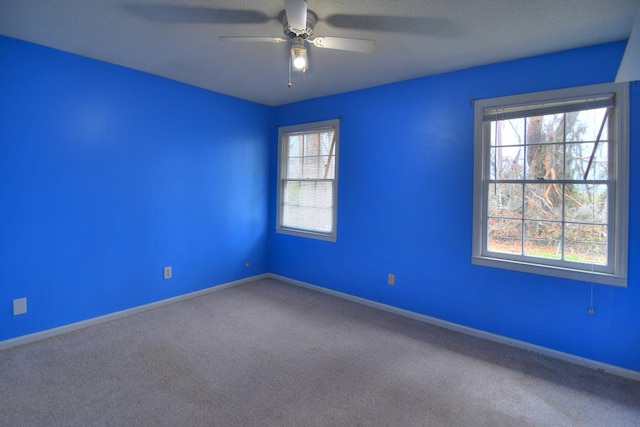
[{"x": 270, "y": 354}]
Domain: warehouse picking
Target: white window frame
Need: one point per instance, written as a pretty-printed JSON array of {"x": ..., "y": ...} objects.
[
  {"x": 616, "y": 271},
  {"x": 283, "y": 134}
]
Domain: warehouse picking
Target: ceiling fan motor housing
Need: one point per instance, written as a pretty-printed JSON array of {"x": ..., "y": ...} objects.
[{"x": 290, "y": 32}]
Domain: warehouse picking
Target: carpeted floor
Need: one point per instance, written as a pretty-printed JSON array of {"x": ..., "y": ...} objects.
[{"x": 270, "y": 354}]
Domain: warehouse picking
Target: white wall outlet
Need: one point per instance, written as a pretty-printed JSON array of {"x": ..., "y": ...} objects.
[
  {"x": 19, "y": 306},
  {"x": 168, "y": 272},
  {"x": 391, "y": 279}
]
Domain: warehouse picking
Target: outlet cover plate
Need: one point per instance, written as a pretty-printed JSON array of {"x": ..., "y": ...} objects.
[{"x": 19, "y": 306}]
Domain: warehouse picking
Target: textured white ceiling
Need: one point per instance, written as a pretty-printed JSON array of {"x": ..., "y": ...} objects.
[{"x": 178, "y": 39}]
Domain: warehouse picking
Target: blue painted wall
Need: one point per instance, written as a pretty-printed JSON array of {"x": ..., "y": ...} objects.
[
  {"x": 405, "y": 207},
  {"x": 108, "y": 174}
]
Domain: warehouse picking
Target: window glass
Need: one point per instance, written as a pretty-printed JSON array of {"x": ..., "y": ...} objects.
[
  {"x": 551, "y": 183},
  {"x": 307, "y": 184}
]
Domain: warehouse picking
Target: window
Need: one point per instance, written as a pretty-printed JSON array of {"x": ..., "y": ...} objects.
[
  {"x": 551, "y": 183},
  {"x": 308, "y": 175}
]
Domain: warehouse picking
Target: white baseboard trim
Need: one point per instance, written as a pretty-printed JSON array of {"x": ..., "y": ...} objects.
[
  {"x": 37, "y": 336},
  {"x": 593, "y": 364}
]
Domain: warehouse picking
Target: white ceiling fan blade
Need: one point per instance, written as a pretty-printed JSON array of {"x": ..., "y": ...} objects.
[
  {"x": 253, "y": 39},
  {"x": 296, "y": 14},
  {"x": 342, "y": 43},
  {"x": 173, "y": 14}
]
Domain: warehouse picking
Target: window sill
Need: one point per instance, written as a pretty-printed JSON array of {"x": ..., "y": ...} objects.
[
  {"x": 306, "y": 234},
  {"x": 561, "y": 272}
]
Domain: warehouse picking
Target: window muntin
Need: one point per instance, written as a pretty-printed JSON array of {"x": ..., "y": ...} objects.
[
  {"x": 551, "y": 183},
  {"x": 308, "y": 180}
]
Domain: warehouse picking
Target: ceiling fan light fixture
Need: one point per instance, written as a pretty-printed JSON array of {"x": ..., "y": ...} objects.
[
  {"x": 298, "y": 54},
  {"x": 298, "y": 23},
  {"x": 299, "y": 59}
]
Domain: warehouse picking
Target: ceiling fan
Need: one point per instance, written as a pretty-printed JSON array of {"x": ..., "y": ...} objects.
[{"x": 298, "y": 23}]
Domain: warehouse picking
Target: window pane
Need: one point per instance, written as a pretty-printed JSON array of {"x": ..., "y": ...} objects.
[
  {"x": 504, "y": 235},
  {"x": 509, "y": 162},
  {"x": 586, "y": 243},
  {"x": 507, "y": 132},
  {"x": 328, "y": 164},
  {"x": 584, "y": 125},
  {"x": 545, "y": 129},
  {"x": 295, "y": 146},
  {"x": 543, "y": 239},
  {"x": 308, "y": 205},
  {"x": 311, "y": 168},
  {"x": 311, "y": 141},
  {"x": 307, "y": 218},
  {"x": 505, "y": 200},
  {"x": 586, "y": 203},
  {"x": 577, "y": 158},
  {"x": 544, "y": 161},
  {"x": 543, "y": 201},
  {"x": 326, "y": 143},
  {"x": 294, "y": 167}
]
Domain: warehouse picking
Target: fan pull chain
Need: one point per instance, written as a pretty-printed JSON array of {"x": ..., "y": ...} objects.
[{"x": 289, "y": 84}]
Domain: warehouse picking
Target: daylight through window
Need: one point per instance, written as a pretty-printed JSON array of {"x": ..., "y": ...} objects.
[
  {"x": 308, "y": 180},
  {"x": 553, "y": 184}
]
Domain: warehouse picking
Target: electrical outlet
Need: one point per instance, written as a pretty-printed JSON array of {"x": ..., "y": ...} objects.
[
  {"x": 168, "y": 272},
  {"x": 19, "y": 306},
  {"x": 391, "y": 279}
]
